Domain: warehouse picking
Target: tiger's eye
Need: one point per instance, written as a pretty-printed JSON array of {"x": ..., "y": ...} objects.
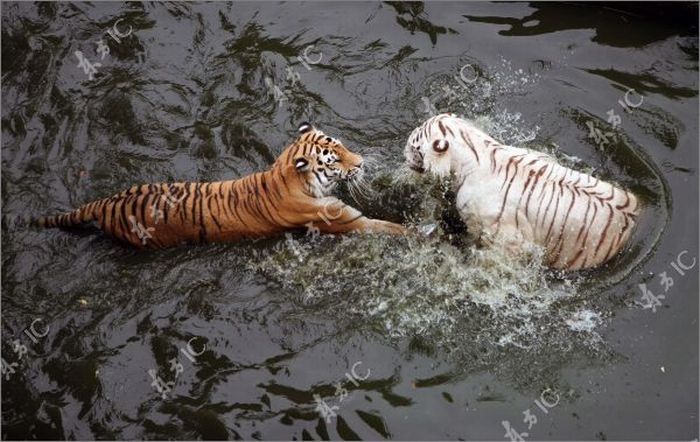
[{"x": 440, "y": 145}]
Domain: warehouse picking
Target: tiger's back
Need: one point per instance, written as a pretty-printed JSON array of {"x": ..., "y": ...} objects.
[
  {"x": 167, "y": 214},
  {"x": 579, "y": 220}
]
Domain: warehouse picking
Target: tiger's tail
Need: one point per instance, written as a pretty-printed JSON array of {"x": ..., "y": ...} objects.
[{"x": 81, "y": 215}]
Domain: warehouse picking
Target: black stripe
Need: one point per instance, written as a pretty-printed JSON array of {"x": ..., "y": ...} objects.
[
  {"x": 532, "y": 189},
  {"x": 114, "y": 216},
  {"x": 549, "y": 203},
  {"x": 201, "y": 213},
  {"x": 185, "y": 196},
  {"x": 103, "y": 221},
  {"x": 122, "y": 218},
  {"x": 583, "y": 225},
  {"x": 468, "y": 141},
  {"x": 193, "y": 191},
  {"x": 269, "y": 212},
  {"x": 233, "y": 193},
  {"x": 284, "y": 181},
  {"x": 211, "y": 213},
  {"x": 554, "y": 215},
  {"x": 588, "y": 230},
  {"x": 517, "y": 206},
  {"x": 505, "y": 197},
  {"x": 162, "y": 200},
  {"x": 144, "y": 204},
  {"x": 561, "y": 240},
  {"x": 225, "y": 202},
  {"x": 603, "y": 235}
]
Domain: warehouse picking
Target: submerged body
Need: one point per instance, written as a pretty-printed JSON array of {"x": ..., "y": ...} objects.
[
  {"x": 294, "y": 193},
  {"x": 517, "y": 197}
]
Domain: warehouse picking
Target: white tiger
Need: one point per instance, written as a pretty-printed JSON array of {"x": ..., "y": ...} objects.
[{"x": 517, "y": 197}]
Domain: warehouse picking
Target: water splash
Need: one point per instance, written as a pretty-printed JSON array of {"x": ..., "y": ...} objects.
[
  {"x": 480, "y": 91},
  {"x": 439, "y": 288}
]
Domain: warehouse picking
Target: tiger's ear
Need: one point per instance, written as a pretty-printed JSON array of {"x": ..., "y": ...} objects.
[
  {"x": 440, "y": 146},
  {"x": 301, "y": 164},
  {"x": 304, "y": 127}
]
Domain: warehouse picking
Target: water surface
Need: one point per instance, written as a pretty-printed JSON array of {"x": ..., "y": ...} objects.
[{"x": 447, "y": 341}]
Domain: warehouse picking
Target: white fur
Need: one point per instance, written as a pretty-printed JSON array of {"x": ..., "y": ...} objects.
[{"x": 502, "y": 199}]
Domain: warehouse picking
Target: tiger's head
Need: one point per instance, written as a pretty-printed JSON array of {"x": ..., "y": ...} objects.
[
  {"x": 436, "y": 146},
  {"x": 320, "y": 160}
]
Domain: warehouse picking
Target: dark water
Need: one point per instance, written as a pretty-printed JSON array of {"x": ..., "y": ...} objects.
[{"x": 455, "y": 342}]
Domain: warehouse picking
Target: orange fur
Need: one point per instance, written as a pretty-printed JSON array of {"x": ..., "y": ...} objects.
[{"x": 294, "y": 193}]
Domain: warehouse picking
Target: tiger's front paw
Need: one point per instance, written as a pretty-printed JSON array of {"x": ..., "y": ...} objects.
[{"x": 389, "y": 227}]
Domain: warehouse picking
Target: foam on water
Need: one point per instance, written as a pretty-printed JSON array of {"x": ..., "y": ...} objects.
[
  {"x": 413, "y": 284},
  {"x": 584, "y": 320}
]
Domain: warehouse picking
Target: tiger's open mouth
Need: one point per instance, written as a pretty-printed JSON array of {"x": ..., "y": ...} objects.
[{"x": 417, "y": 168}]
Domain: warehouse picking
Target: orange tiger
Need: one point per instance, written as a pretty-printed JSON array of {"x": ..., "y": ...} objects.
[
  {"x": 294, "y": 193},
  {"x": 517, "y": 197}
]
